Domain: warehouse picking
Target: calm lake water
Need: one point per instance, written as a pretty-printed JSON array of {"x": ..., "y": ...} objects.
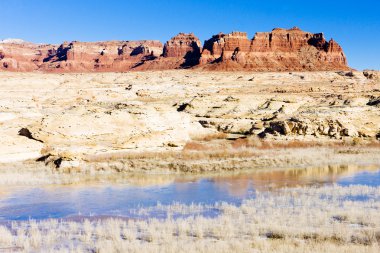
[{"x": 119, "y": 199}]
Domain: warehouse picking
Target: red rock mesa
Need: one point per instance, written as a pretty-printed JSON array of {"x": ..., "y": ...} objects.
[{"x": 279, "y": 50}]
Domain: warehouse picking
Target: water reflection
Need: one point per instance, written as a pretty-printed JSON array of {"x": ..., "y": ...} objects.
[
  {"x": 118, "y": 199},
  {"x": 238, "y": 185}
]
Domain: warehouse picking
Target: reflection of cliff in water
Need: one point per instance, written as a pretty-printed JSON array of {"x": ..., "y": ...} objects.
[
  {"x": 234, "y": 184},
  {"x": 238, "y": 185}
]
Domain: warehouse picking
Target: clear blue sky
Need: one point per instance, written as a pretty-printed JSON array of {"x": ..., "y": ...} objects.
[{"x": 354, "y": 24}]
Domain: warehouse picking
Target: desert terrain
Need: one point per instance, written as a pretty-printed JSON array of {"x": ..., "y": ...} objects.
[
  {"x": 187, "y": 121},
  {"x": 160, "y": 127},
  {"x": 269, "y": 144}
]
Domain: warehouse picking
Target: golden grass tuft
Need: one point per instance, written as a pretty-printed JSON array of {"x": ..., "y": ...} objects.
[
  {"x": 210, "y": 137},
  {"x": 304, "y": 219},
  {"x": 195, "y": 146}
]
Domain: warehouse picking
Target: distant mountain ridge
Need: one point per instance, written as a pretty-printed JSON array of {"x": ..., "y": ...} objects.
[
  {"x": 13, "y": 41},
  {"x": 278, "y": 50}
]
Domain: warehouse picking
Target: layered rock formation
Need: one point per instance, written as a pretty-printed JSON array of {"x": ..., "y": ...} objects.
[
  {"x": 186, "y": 47},
  {"x": 22, "y": 56},
  {"x": 181, "y": 51},
  {"x": 279, "y": 50},
  {"x": 101, "y": 56},
  {"x": 223, "y": 47}
]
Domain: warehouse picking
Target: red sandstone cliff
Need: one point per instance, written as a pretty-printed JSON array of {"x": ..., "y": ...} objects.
[
  {"x": 186, "y": 47},
  {"x": 23, "y": 56},
  {"x": 279, "y": 50},
  {"x": 101, "y": 56},
  {"x": 181, "y": 51}
]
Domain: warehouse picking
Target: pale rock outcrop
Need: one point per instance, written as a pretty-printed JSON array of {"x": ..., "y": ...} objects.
[
  {"x": 330, "y": 128},
  {"x": 65, "y": 118},
  {"x": 75, "y": 131}
]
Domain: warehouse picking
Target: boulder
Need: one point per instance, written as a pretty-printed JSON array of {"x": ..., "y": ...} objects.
[
  {"x": 280, "y": 127},
  {"x": 371, "y": 74},
  {"x": 374, "y": 101},
  {"x": 332, "y": 128}
]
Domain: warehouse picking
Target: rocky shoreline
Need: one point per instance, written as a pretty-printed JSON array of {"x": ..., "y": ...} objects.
[{"x": 173, "y": 164}]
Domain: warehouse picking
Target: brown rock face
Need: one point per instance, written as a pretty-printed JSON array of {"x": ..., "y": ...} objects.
[
  {"x": 225, "y": 46},
  {"x": 278, "y": 50},
  {"x": 101, "y": 56},
  {"x": 186, "y": 48},
  {"x": 181, "y": 51},
  {"x": 281, "y": 40}
]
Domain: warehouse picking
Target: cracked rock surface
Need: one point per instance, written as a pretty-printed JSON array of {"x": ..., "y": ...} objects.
[{"x": 70, "y": 116}]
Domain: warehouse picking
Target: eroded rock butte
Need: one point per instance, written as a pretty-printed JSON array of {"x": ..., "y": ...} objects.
[{"x": 278, "y": 50}]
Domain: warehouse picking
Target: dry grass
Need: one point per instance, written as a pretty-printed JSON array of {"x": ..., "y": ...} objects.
[
  {"x": 210, "y": 137},
  {"x": 254, "y": 142},
  {"x": 326, "y": 219},
  {"x": 239, "y": 148},
  {"x": 204, "y": 158},
  {"x": 195, "y": 146},
  {"x": 118, "y": 165},
  {"x": 191, "y": 151}
]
